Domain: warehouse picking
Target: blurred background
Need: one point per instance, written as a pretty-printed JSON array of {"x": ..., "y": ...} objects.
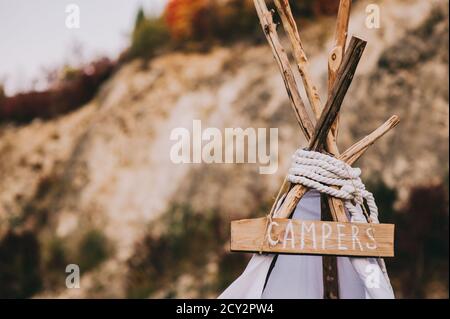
[{"x": 86, "y": 111}]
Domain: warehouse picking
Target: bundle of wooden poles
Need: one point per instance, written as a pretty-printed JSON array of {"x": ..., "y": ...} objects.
[{"x": 320, "y": 131}]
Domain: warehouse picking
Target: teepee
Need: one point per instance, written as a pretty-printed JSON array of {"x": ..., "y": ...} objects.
[{"x": 322, "y": 237}]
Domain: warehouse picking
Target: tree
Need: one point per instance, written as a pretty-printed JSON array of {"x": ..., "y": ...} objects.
[{"x": 140, "y": 17}]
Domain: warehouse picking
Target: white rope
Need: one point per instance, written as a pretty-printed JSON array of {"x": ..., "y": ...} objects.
[{"x": 321, "y": 172}]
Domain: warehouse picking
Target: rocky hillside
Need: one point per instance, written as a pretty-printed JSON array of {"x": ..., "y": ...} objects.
[{"x": 97, "y": 187}]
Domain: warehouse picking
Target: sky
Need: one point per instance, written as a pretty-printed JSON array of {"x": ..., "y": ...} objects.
[{"x": 34, "y": 36}]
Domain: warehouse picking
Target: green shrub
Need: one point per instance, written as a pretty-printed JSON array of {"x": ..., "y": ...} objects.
[
  {"x": 93, "y": 249},
  {"x": 19, "y": 266},
  {"x": 54, "y": 262},
  {"x": 149, "y": 36}
]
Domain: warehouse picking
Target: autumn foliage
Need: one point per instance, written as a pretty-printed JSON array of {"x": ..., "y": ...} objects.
[
  {"x": 181, "y": 17},
  {"x": 76, "y": 88},
  {"x": 209, "y": 19}
]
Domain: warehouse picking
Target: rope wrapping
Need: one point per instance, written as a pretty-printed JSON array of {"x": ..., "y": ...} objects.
[{"x": 336, "y": 178}]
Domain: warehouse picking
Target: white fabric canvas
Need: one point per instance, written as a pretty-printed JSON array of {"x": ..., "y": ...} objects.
[{"x": 300, "y": 276}]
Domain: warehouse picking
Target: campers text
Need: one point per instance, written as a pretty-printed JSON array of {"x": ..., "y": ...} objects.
[{"x": 293, "y": 236}]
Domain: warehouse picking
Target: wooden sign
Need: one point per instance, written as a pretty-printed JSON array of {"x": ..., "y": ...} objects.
[{"x": 293, "y": 236}]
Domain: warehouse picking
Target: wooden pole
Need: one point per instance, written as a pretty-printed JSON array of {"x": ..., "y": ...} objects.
[
  {"x": 330, "y": 275},
  {"x": 284, "y": 10},
  {"x": 269, "y": 28},
  {"x": 340, "y": 38},
  {"x": 337, "y": 53},
  {"x": 291, "y": 29},
  {"x": 329, "y": 264},
  {"x": 340, "y": 87},
  {"x": 356, "y": 150}
]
